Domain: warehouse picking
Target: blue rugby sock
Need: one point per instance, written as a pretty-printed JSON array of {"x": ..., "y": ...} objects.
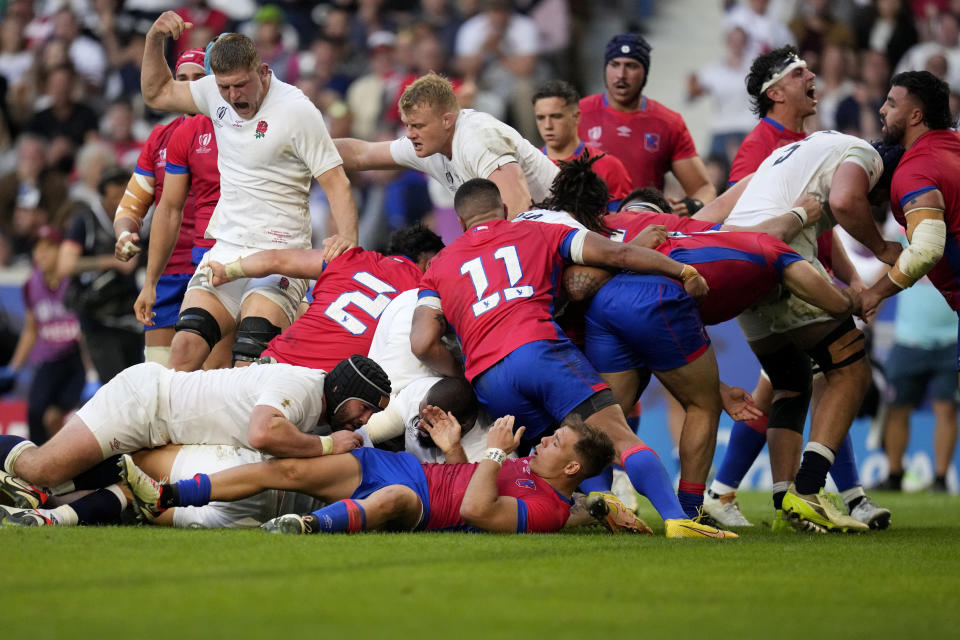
[
  {"x": 194, "y": 492},
  {"x": 690, "y": 495},
  {"x": 746, "y": 443},
  {"x": 343, "y": 516},
  {"x": 844, "y": 469},
  {"x": 651, "y": 480},
  {"x": 600, "y": 482}
]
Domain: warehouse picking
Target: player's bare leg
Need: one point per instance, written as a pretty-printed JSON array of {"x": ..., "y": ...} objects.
[
  {"x": 72, "y": 450},
  {"x": 944, "y": 435},
  {"x": 221, "y": 357},
  {"x": 328, "y": 478},
  {"x": 156, "y": 344},
  {"x": 189, "y": 350},
  {"x": 625, "y": 386},
  {"x": 392, "y": 508},
  {"x": 696, "y": 386}
]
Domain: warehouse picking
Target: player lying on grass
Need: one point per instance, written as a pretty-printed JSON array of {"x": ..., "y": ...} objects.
[
  {"x": 370, "y": 490},
  {"x": 269, "y": 408}
]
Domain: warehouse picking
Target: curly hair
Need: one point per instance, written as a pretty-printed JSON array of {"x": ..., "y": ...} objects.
[
  {"x": 932, "y": 93},
  {"x": 413, "y": 241},
  {"x": 762, "y": 69},
  {"x": 579, "y": 191}
]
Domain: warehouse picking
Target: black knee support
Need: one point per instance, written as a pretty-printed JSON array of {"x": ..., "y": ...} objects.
[
  {"x": 253, "y": 334},
  {"x": 598, "y": 401},
  {"x": 200, "y": 322},
  {"x": 841, "y": 347},
  {"x": 789, "y": 370}
]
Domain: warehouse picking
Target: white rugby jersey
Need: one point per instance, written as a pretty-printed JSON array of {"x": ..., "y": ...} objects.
[
  {"x": 481, "y": 144},
  {"x": 550, "y": 217},
  {"x": 266, "y": 165},
  {"x": 390, "y": 347},
  {"x": 802, "y": 168},
  {"x": 214, "y": 407}
]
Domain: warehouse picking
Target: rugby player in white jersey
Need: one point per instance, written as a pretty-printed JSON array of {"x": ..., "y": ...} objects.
[
  {"x": 265, "y": 408},
  {"x": 453, "y": 145},
  {"x": 272, "y": 143},
  {"x": 841, "y": 171}
]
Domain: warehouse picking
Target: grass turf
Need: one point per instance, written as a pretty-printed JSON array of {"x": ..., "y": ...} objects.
[{"x": 150, "y": 582}]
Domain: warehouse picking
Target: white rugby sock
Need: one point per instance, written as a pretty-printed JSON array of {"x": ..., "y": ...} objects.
[{"x": 11, "y": 458}]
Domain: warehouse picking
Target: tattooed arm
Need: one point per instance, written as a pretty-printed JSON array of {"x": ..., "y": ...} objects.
[
  {"x": 582, "y": 283},
  {"x": 428, "y": 328}
]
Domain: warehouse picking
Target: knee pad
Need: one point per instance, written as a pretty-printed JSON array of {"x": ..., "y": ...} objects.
[
  {"x": 200, "y": 322},
  {"x": 253, "y": 334},
  {"x": 788, "y": 370},
  {"x": 597, "y": 402},
  {"x": 840, "y": 348}
]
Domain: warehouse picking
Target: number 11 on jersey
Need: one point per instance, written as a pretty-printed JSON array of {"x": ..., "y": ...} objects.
[{"x": 478, "y": 276}]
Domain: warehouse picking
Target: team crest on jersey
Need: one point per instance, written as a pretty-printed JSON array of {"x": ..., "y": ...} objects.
[
  {"x": 651, "y": 142},
  {"x": 261, "y": 129},
  {"x": 595, "y": 132},
  {"x": 284, "y": 284},
  {"x": 204, "y": 139},
  {"x": 526, "y": 483},
  {"x": 221, "y": 111}
]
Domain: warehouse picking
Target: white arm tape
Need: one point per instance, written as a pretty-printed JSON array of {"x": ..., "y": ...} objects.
[
  {"x": 925, "y": 250},
  {"x": 385, "y": 424},
  {"x": 144, "y": 183},
  {"x": 576, "y": 246},
  {"x": 433, "y": 302}
]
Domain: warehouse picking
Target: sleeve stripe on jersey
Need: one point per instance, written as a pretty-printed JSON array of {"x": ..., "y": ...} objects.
[
  {"x": 572, "y": 246},
  {"x": 429, "y": 298},
  {"x": 916, "y": 192},
  {"x": 144, "y": 172},
  {"x": 713, "y": 254},
  {"x": 613, "y": 205},
  {"x": 176, "y": 169},
  {"x": 521, "y": 516},
  {"x": 785, "y": 260}
]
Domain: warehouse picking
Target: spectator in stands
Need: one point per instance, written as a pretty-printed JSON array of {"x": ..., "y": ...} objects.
[
  {"x": 93, "y": 160},
  {"x": 86, "y": 54},
  {"x": 103, "y": 289},
  {"x": 30, "y": 195},
  {"x": 322, "y": 64},
  {"x": 859, "y": 114},
  {"x": 764, "y": 33},
  {"x": 887, "y": 27},
  {"x": 814, "y": 27},
  {"x": 732, "y": 119},
  {"x": 497, "y": 48},
  {"x": 834, "y": 84},
  {"x": 276, "y": 42},
  {"x": 15, "y": 59},
  {"x": 50, "y": 340},
  {"x": 946, "y": 45},
  {"x": 922, "y": 361},
  {"x": 118, "y": 132},
  {"x": 369, "y": 96},
  {"x": 65, "y": 117}
]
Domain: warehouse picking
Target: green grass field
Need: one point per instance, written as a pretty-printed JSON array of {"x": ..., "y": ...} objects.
[{"x": 150, "y": 582}]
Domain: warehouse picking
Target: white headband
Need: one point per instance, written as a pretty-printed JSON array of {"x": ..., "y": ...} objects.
[
  {"x": 649, "y": 206},
  {"x": 795, "y": 63}
]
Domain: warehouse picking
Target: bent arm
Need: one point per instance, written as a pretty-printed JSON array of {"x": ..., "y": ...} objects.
[
  {"x": 602, "y": 252},
  {"x": 514, "y": 191},
  {"x": 692, "y": 176},
  {"x": 342, "y": 206},
  {"x": 270, "y": 432},
  {"x": 805, "y": 282},
  {"x": 850, "y": 208},
  {"x": 360, "y": 155},
  {"x": 720, "y": 208},
  {"x": 426, "y": 331},
  {"x": 293, "y": 263},
  {"x": 160, "y": 91},
  {"x": 483, "y": 507}
]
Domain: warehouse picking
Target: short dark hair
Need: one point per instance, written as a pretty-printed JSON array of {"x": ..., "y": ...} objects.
[
  {"x": 651, "y": 195},
  {"x": 579, "y": 191},
  {"x": 456, "y": 396},
  {"x": 233, "y": 52},
  {"x": 762, "y": 69},
  {"x": 594, "y": 448},
  {"x": 413, "y": 241},
  {"x": 112, "y": 176},
  {"x": 931, "y": 92},
  {"x": 478, "y": 195},
  {"x": 558, "y": 89}
]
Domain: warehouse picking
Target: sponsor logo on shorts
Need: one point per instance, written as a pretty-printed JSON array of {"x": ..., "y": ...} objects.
[
  {"x": 115, "y": 445},
  {"x": 651, "y": 141},
  {"x": 284, "y": 284}
]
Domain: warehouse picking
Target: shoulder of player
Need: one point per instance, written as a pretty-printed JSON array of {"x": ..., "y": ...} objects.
[
  {"x": 659, "y": 110},
  {"x": 593, "y": 102}
]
